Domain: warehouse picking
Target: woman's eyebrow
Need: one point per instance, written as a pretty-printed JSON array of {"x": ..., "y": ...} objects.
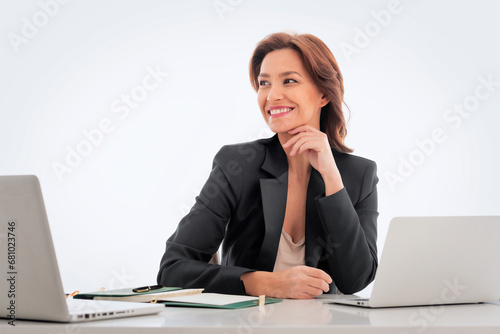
[{"x": 284, "y": 74}]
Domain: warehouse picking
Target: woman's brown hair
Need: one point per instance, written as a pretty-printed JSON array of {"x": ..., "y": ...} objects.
[{"x": 324, "y": 71}]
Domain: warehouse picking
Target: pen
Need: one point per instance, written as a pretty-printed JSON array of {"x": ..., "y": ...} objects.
[{"x": 147, "y": 288}]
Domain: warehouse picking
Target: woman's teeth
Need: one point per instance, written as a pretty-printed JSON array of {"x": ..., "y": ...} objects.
[{"x": 279, "y": 111}]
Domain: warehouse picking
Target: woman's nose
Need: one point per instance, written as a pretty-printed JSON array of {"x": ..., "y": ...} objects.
[{"x": 275, "y": 94}]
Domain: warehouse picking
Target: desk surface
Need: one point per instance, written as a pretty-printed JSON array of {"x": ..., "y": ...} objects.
[{"x": 289, "y": 316}]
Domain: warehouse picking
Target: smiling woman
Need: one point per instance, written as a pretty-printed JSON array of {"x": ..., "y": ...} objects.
[
  {"x": 277, "y": 84},
  {"x": 295, "y": 213},
  {"x": 321, "y": 68}
]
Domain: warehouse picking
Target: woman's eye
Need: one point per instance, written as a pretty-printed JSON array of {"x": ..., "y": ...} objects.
[
  {"x": 263, "y": 83},
  {"x": 289, "y": 81}
]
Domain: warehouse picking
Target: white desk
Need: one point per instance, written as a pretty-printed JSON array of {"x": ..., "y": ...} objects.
[{"x": 289, "y": 316}]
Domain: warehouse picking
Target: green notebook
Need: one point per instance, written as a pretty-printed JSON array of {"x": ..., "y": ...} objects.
[
  {"x": 175, "y": 296},
  {"x": 121, "y": 293},
  {"x": 216, "y": 300},
  {"x": 128, "y": 295}
]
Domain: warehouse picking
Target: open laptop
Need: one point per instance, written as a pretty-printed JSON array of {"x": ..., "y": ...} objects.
[
  {"x": 30, "y": 283},
  {"x": 437, "y": 260}
]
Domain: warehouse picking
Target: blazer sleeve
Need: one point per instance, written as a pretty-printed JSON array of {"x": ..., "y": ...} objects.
[
  {"x": 200, "y": 232},
  {"x": 351, "y": 233}
]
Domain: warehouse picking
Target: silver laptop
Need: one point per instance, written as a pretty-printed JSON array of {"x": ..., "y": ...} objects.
[
  {"x": 435, "y": 261},
  {"x": 30, "y": 284}
]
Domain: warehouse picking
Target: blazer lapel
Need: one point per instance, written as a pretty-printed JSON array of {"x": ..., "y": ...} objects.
[
  {"x": 274, "y": 193},
  {"x": 314, "y": 228}
]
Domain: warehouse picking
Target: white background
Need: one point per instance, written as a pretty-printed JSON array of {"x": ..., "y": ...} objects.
[{"x": 112, "y": 213}]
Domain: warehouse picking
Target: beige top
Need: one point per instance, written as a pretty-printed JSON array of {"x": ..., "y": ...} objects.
[{"x": 290, "y": 254}]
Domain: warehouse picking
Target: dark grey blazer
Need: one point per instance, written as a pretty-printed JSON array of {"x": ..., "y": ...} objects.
[{"x": 242, "y": 205}]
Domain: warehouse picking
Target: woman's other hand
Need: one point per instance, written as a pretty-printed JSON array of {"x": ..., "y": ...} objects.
[{"x": 300, "y": 282}]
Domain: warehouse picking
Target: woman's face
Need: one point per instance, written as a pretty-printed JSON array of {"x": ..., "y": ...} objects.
[{"x": 287, "y": 96}]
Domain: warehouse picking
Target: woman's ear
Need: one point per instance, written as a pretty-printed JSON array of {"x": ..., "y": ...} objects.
[{"x": 324, "y": 101}]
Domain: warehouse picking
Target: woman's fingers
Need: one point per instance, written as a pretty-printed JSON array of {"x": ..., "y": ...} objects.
[
  {"x": 314, "y": 141},
  {"x": 315, "y": 145},
  {"x": 305, "y": 282},
  {"x": 318, "y": 273},
  {"x": 317, "y": 286},
  {"x": 294, "y": 139},
  {"x": 318, "y": 279},
  {"x": 302, "y": 144},
  {"x": 302, "y": 128}
]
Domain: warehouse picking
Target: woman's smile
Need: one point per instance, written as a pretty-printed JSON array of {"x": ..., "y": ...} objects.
[{"x": 279, "y": 111}]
